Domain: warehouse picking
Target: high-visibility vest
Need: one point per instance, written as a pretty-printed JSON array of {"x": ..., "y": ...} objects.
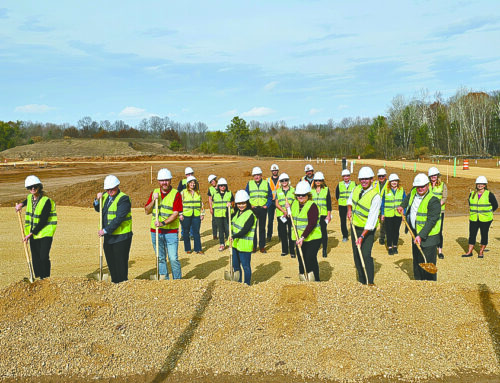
[
  {"x": 191, "y": 203},
  {"x": 281, "y": 198},
  {"x": 422, "y": 213},
  {"x": 380, "y": 188},
  {"x": 320, "y": 199},
  {"x": 165, "y": 210},
  {"x": 392, "y": 201},
  {"x": 244, "y": 244},
  {"x": 220, "y": 203},
  {"x": 258, "y": 194},
  {"x": 438, "y": 192},
  {"x": 301, "y": 221},
  {"x": 212, "y": 191},
  {"x": 345, "y": 192},
  {"x": 273, "y": 186},
  {"x": 361, "y": 207},
  {"x": 33, "y": 217},
  {"x": 126, "y": 225},
  {"x": 480, "y": 208}
]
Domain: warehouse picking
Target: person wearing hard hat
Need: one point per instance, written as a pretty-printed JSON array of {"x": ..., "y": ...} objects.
[
  {"x": 222, "y": 199},
  {"x": 274, "y": 184},
  {"x": 167, "y": 222},
  {"x": 285, "y": 197},
  {"x": 380, "y": 185},
  {"x": 212, "y": 189},
  {"x": 391, "y": 199},
  {"x": 192, "y": 214},
  {"x": 423, "y": 213},
  {"x": 243, "y": 224},
  {"x": 116, "y": 227},
  {"x": 309, "y": 176},
  {"x": 39, "y": 226},
  {"x": 305, "y": 215},
  {"x": 342, "y": 192},
  {"x": 482, "y": 204},
  {"x": 188, "y": 172},
  {"x": 440, "y": 190},
  {"x": 363, "y": 207},
  {"x": 322, "y": 198},
  {"x": 260, "y": 199}
]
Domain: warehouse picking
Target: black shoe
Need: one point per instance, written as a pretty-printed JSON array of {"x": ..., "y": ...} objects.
[
  {"x": 324, "y": 255},
  {"x": 182, "y": 238},
  {"x": 284, "y": 254},
  {"x": 441, "y": 256},
  {"x": 395, "y": 250},
  {"x": 466, "y": 255},
  {"x": 391, "y": 251},
  {"x": 381, "y": 241},
  {"x": 254, "y": 250},
  {"x": 292, "y": 255}
]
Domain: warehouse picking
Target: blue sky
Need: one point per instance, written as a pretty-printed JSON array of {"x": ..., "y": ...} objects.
[{"x": 292, "y": 61}]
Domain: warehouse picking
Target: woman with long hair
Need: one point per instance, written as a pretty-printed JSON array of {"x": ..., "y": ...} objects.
[
  {"x": 439, "y": 189},
  {"x": 192, "y": 215},
  {"x": 393, "y": 196},
  {"x": 322, "y": 198}
]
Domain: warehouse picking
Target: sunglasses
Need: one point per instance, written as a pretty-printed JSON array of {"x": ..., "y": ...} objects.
[
  {"x": 32, "y": 187},
  {"x": 285, "y": 180},
  {"x": 300, "y": 195},
  {"x": 364, "y": 179},
  {"x": 381, "y": 176}
]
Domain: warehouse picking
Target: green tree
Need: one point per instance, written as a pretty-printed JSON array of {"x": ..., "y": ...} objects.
[
  {"x": 239, "y": 136},
  {"x": 9, "y": 135}
]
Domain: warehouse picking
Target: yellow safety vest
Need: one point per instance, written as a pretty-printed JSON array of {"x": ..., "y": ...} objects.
[
  {"x": 422, "y": 213},
  {"x": 345, "y": 192},
  {"x": 282, "y": 197},
  {"x": 361, "y": 207},
  {"x": 392, "y": 201},
  {"x": 244, "y": 244},
  {"x": 320, "y": 199},
  {"x": 480, "y": 208},
  {"x": 220, "y": 203},
  {"x": 438, "y": 192},
  {"x": 258, "y": 194},
  {"x": 32, "y": 218},
  {"x": 300, "y": 220},
  {"x": 165, "y": 210},
  {"x": 191, "y": 204},
  {"x": 126, "y": 225}
]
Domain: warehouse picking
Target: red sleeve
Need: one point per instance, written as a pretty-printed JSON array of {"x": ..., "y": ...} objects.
[
  {"x": 177, "y": 203},
  {"x": 312, "y": 219},
  {"x": 150, "y": 199}
]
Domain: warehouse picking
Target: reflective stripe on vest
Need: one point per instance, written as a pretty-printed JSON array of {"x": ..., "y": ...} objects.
[
  {"x": 361, "y": 207},
  {"x": 165, "y": 210},
  {"x": 300, "y": 220},
  {"x": 191, "y": 204},
  {"x": 244, "y": 244},
  {"x": 282, "y": 197},
  {"x": 480, "y": 207},
  {"x": 126, "y": 225},
  {"x": 220, "y": 203},
  {"x": 345, "y": 192},
  {"x": 258, "y": 194},
  {"x": 212, "y": 191},
  {"x": 438, "y": 192},
  {"x": 392, "y": 202},
  {"x": 320, "y": 200},
  {"x": 32, "y": 218},
  {"x": 422, "y": 213}
]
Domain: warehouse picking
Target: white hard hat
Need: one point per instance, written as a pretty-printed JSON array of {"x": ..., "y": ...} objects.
[
  {"x": 188, "y": 170},
  {"x": 421, "y": 180},
  {"x": 481, "y": 180},
  {"x": 318, "y": 176},
  {"x": 393, "y": 177},
  {"x": 274, "y": 167},
  {"x": 433, "y": 171},
  {"x": 164, "y": 174},
  {"x": 190, "y": 178},
  {"x": 222, "y": 181},
  {"x": 256, "y": 170},
  {"x": 241, "y": 196},
  {"x": 308, "y": 168},
  {"x": 303, "y": 187},
  {"x": 211, "y": 177},
  {"x": 346, "y": 172},
  {"x": 381, "y": 172},
  {"x": 283, "y": 176},
  {"x": 31, "y": 180},
  {"x": 110, "y": 182},
  {"x": 365, "y": 172}
]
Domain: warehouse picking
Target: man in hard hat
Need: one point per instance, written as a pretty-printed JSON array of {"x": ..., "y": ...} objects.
[
  {"x": 380, "y": 185},
  {"x": 212, "y": 189},
  {"x": 423, "y": 213},
  {"x": 363, "y": 207},
  {"x": 39, "y": 226},
  {"x": 274, "y": 184},
  {"x": 260, "y": 199},
  {"x": 440, "y": 190},
  {"x": 188, "y": 172},
  {"x": 116, "y": 227},
  {"x": 309, "y": 176},
  {"x": 167, "y": 222},
  {"x": 342, "y": 192}
]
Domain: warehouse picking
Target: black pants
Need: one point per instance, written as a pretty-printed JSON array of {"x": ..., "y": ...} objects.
[
  {"x": 474, "y": 226},
  {"x": 285, "y": 234},
  {"x": 270, "y": 219},
  {"x": 324, "y": 233},
  {"x": 310, "y": 252},
  {"x": 117, "y": 255},
  {"x": 382, "y": 231},
  {"x": 392, "y": 226},
  {"x": 40, "y": 249},
  {"x": 214, "y": 226},
  {"x": 441, "y": 232},
  {"x": 261, "y": 214},
  {"x": 343, "y": 221},
  {"x": 366, "y": 250},
  {"x": 222, "y": 227},
  {"x": 431, "y": 256}
]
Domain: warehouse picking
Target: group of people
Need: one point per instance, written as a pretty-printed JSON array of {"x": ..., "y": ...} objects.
[{"x": 239, "y": 219}]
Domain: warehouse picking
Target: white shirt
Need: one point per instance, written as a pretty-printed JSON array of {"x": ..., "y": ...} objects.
[
  {"x": 374, "y": 212},
  {"x": 417, "y": 200}
]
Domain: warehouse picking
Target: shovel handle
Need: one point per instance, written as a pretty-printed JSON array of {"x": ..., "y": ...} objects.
[
  {"x": 156, "y": 247},
  {"x": 100, "y": 239},
  {"x": 359, "y": 250},
  {"x": 413, "y": 236},
  {"x": 26, "y": 252},
  {"x": 231, "y": 271},
  {"x": 301, "y": 255}
]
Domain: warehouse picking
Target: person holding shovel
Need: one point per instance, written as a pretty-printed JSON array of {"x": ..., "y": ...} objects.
[
  {"x": 423, "y": 213},
  {"x": 243, "y": 224},
  {"x": 167, "y": 224},
  {"x": 363, "y": 208},
  {"x": 116, "y": 227},
  {"x": 285, "y": 197},
  {"x": 39, "y": 225},
  {"x": 222, "y": 197}
]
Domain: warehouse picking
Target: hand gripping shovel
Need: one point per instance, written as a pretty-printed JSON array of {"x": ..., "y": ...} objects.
[
  {"x": 26, "y": 251},
  {"x": 307, "y": 276},
  {"x": 359, "y": 250},
  {"x": 231, "y": 275},
  {"x": 431, "y": 268},
  {"x": 157, "y": 253}
]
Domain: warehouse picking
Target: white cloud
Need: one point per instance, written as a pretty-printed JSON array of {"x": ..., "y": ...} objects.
[
  {"x": 271, "y": 85},
  {"x": 132, "y": 112},
  {"x": 230, "y": 113},
  {"x": 33, "y": 108},
  {"x": 314, "y": 111},
  {"x": 258, "y": 112}
]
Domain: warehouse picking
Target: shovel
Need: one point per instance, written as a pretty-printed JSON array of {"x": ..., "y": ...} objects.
[
  {"x": 26, "y": 251},
  {"x": 307, "y": 276},
  {"x": 157, "y": 274},
  {"x": 359, "y": 250},
  {"x": 101, "y": 276},
  {"x": 231, "y": 275},
  {"x": 431, "y": 268}
]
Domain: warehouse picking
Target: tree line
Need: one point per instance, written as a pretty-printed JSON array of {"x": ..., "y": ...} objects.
[{"x": 468, "y": 123}]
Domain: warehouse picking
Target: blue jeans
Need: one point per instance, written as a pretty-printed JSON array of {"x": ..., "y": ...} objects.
[
  {"x": 242, "y": 259},
  {"x": 167, "y": 243},
  {"x": 192, "y": 224}
]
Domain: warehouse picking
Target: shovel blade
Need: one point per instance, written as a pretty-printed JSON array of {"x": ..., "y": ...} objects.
[
  {"x": 227, "y": 276},
  {"x": 236, "y": 276},
  {"x": 431, "y": 268},
  {"x": 309, "y": 278}
]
